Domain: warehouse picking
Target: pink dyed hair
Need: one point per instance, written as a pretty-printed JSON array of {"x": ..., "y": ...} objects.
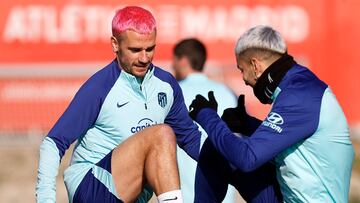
[{"x": 133, "y": 18}]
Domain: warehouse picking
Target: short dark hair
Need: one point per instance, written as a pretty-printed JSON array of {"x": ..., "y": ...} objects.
[{"x": 194, "y": 50}]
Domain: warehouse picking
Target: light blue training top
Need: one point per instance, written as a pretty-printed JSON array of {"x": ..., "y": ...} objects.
[
  {"x": 305, "y": 134},
  {"x": 110, "y": 107}
]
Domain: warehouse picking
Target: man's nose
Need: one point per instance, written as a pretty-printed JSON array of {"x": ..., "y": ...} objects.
[{"x": 144, "y": 57}]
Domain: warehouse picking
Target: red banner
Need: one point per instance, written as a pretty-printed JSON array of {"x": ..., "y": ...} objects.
[
  {"x": 36, "y": 36},
  {"x": 43, "y": 31}
]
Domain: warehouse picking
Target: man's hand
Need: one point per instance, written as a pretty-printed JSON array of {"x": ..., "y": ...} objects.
[
  {"x": 201, "y": 102},
  {"x": 235, "y": 118}
]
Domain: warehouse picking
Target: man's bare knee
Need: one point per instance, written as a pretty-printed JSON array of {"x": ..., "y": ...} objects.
[
  {"x": 164, "y": 134},
  {"x": 161, "y": 160}
]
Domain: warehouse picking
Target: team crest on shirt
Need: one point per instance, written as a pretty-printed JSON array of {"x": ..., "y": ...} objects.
[
  {"x": 273, "y": 121},
  {"x": 162, "y": 99}
]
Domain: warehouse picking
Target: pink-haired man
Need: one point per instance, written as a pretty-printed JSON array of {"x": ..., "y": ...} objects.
[{"x": 126, "y": 119}]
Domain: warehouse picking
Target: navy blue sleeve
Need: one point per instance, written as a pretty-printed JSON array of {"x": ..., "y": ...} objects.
[
  {"x": 187, "y": 133},
  {"x": 293, "y": 118},
  {"x": 83, "y": 110},
  {"x": 77, "y": 118}
]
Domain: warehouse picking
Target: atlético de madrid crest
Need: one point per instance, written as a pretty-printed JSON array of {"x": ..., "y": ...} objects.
[{"x": 162, "y": 99}]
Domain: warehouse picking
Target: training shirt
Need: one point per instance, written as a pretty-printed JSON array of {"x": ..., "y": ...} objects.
[
  {"x": 110, "y": 107},
  {"x": 198, "y": 83},
  {"x": 305, "y": 134}
]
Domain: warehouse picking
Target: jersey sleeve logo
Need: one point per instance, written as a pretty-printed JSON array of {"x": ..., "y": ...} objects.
[
  {"x": 275, "y": 118},
  {"x": 273, "y": 121},
  {"x": 162, "y": 99}
]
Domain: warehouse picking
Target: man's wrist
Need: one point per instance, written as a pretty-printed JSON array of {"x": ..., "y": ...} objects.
[{"x": 203, "y": 114}]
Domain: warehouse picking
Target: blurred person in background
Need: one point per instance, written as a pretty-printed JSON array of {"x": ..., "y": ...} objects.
[
  {"x": 126, "y": 120},
  {"x": 305, "y": 135},
  {"x": 189, "y": 57}
]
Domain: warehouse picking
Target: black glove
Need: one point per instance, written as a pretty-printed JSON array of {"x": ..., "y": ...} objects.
[
  {"x": 201, "y": 102},
  {"x": 238, "y": 120}
]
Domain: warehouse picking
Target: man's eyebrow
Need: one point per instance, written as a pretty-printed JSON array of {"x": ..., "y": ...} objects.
[
  {"x": 151, "y": 48},
  {"x": 135, "y": 48},
  {"x": 140, "y": 48}
]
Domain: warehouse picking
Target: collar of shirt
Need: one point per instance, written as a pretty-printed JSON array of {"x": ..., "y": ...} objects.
[{"x": 196, "y": 77}]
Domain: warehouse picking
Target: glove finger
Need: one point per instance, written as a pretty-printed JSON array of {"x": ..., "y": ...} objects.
[
  {"x": 211, "y": 96},
  {"x": 241, "y": 100},
  {"x": 241, "y": 103},
  {"x": 193, "y": 103},
  {"x": 192, "y": 111},
  {"x": 200, "y": 98},
  {"x": 192, "y": 114},
  {"x": 191, "y": 107},
  {"x": 229, "y": 112}
]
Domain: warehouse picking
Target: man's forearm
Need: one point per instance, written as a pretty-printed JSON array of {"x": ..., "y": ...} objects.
[
  {"x": 233, "y": 148},
  {"x": 48, "y": 169}
]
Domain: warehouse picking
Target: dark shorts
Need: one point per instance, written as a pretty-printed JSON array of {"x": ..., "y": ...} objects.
[
  {"x": 214, "y": 173},
  {"x": 91, "y": 190}
]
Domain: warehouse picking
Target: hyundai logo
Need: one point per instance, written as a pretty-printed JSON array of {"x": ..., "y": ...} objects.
[{"x": 275, "y": 118}]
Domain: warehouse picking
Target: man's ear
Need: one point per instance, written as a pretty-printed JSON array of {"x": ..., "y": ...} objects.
[
  {"x": 257, "y": 65},
  {"x": 185, "y": 61},
  {"x": 114, "y": 44}
]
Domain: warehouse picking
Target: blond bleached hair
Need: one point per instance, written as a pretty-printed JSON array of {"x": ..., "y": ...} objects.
[{"x": 263, "y": 38}]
